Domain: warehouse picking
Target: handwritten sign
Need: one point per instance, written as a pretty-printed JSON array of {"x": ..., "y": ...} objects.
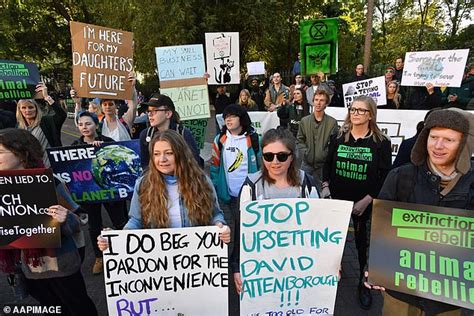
[
  {"x": 180, "y": 62},
  {"x": 101, "y": 59},
  {"x": 198, "y": 129},
  {"x": 18, "y": 80},
  {"x": 98, "y": 174},
  {"x": 290, "y": 254},
  {"x": 222, "y": 52},
  {"x": 440, "y": 68},
  {"x": 191, "y": 102},
  {"x": 181, "y": 271},
  {"x": 26, "y": 196},
  {"x": 256, "y": 68},
  {"x": 423, "y": 250},
  {"x": 373, "y": 87}
]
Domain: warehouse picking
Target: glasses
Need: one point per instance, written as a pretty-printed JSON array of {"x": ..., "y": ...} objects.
[
  {"x": 152, "y": 112},
  {"x": 389, "y": 71},
  {"x": 281, "y": 156},
  {"x": 358, "y": 111},
  {"x": 5, "y": 152}
]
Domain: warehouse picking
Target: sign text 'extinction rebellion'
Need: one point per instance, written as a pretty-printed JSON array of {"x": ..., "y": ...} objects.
[{"x": 424, "y": 250}]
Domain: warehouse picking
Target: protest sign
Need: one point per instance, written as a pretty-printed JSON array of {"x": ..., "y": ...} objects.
[
  {"x": 25, "y": 196},
  {"x": 98, "y": 174},
  {"x": 101, "y": 61},
  {"x": 423, "y": 250},
  {"x": 198, "y": 129},
  {"x": 318, "y": 46},
  {"x": 261, "y": 121},
  {"x": 256, "y": 68},
  {"x": 373, "y": 87},
  {"x": 440, "y": 68},
  {"x": 18, "y": 80},
  {"x": 180, "y": 62},
  {"x": 222, "y": 57},
  {"x": 291, "y": 251},
  {"x": 180, "y": 271},
  {"x": 191, "y": 102}
]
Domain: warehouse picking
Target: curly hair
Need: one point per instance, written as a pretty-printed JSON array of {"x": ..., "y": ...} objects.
[
  {"x": 23, "y": 145},
  {"x": 193, "y": 186}
]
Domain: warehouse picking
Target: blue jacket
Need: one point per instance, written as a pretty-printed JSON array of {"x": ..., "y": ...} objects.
[
  {"x": 218, "y": 176},
  {"x": 135, "y": 213}
]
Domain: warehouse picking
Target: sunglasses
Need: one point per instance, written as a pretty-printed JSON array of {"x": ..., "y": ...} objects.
[
  {"x": 389, "y": 71},
  {"x": 281, "y": 156}
]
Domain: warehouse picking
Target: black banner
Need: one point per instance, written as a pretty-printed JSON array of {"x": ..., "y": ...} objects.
[
  {"x": 25, "y": 196},
  {"x": 18, "y": 80},
  {"x": 423, "y": 250}
]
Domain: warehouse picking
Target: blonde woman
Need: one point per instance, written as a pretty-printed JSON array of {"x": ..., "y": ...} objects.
[
  {"x": 45, "y": 128},
  {"x": 174, "y": 192},
  {"x": 393, "y": 96},
  {"x": 358, "y": 161},
  {"x": 246, "y": 101}
]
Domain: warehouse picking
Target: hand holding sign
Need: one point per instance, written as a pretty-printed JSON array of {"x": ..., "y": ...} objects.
[{"x": 58, "y": 212}]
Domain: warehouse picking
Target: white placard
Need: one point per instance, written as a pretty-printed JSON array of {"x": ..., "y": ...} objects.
[
  {"x": 222, "y": 57},
  {"x": 256, "y": 68},
  {"x": 181, "y": 271},
  {"x": 440, "y": 68},
  {"x": 290, "y": 254},
  {"x": 261, "y": 121},
  {"x": 373, "y": 87}
]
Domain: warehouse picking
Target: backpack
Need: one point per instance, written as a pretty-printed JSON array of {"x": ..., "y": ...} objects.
[{"x": 253, "y": 140}]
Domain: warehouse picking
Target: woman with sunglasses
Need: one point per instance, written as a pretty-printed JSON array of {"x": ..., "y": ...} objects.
[
  {"x": 291, "y": 115},
  {"x": 359, "y": 158},
  {"x": 279, "y": 178},
  {"x": 389, "y": 74}
]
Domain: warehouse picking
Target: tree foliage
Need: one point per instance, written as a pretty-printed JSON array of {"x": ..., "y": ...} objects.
[{"x": 38, "y": 31}]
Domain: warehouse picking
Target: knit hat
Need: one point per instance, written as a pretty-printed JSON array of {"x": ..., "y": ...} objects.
[{"x": 455, "y": 119}]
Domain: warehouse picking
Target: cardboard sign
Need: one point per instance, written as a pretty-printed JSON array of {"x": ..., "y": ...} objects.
[
  {"x": 102, "y": 59},
  {"x": 290, "y": 254},
  {"x": 423, "y": 250},
  {"x": 18, "y": 80},
  {"x": 318, "y": 46},
  {"x": 26, "y": 196},
  {"x": 98, "y": 174},
  {"x": 440, "y": 68},
  {"x": 222, "y": 52},
  {"x": 180, "y": 62},
  {"x": 180, "y": 271},
  {"x": 373, "y": 87},
  {"x": 256, "y": 68}
]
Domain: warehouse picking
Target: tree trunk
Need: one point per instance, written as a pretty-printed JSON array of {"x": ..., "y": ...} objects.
[{"x": 368, "y": 35}]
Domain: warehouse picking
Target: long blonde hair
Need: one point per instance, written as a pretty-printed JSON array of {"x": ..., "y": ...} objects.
[
  {"x": 193, "y": 186},
  {"x": 396, "y": 97},
  {"x": 346, "y": 128},
  {"x": 22, "y": 123},
  {"x": 250, "y": 103}
]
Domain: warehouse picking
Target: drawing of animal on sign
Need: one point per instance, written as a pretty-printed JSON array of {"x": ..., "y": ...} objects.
[{"x": 222, "y": 56}]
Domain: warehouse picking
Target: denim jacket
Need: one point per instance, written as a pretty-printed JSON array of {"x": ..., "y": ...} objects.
[{"x": 135, "y": 214}]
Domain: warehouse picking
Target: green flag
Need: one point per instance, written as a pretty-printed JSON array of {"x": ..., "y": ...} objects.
[{"x": 318, "y": 46}]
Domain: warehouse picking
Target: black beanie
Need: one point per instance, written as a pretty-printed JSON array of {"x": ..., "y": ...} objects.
[{"x": 241, "y": 112}]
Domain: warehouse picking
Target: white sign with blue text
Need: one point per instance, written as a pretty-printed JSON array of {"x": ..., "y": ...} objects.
[
  {"x": 180, "y": 62},
  {"x": 290, "y": 254},
  {"x": 180, "y": 271}
]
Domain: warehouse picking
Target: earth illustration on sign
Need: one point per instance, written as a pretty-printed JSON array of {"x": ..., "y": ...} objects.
[{"x": 116, "y": 166}]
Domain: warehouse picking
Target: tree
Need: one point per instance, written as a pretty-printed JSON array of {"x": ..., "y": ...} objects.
[{"x": 368, "y": 34}]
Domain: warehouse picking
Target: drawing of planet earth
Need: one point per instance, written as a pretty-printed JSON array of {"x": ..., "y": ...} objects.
[{"x": 116, "y": 166}]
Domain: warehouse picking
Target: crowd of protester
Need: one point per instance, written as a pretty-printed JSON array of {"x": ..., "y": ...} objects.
[{"x": 298, "y": 159}]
